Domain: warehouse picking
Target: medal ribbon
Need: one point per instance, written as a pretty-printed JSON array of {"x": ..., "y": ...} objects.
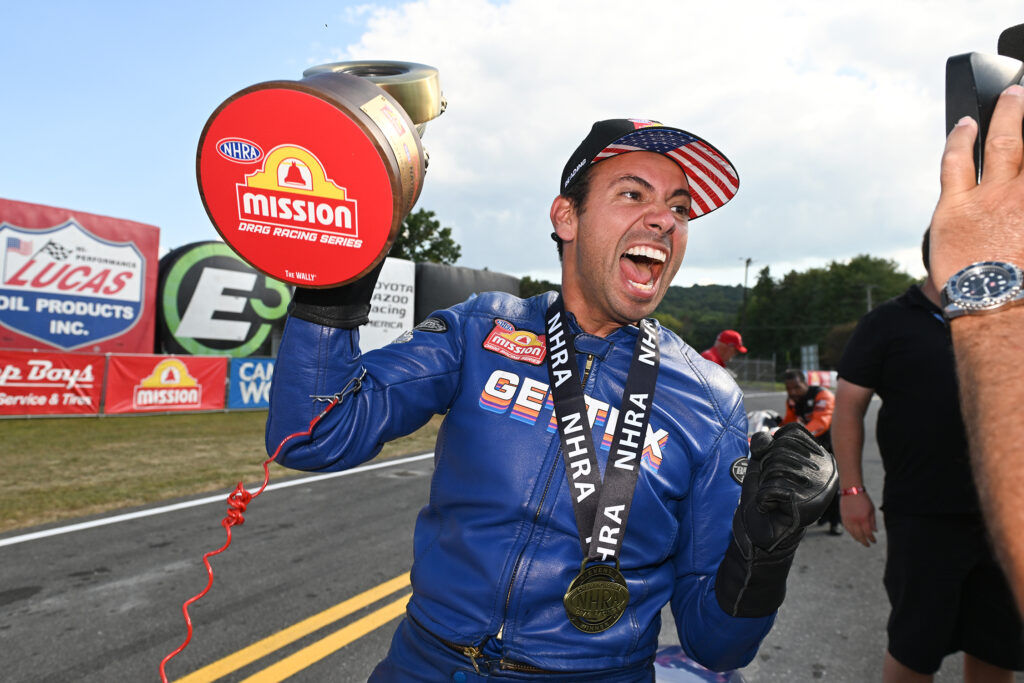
[{"x": 603, "y": 508}]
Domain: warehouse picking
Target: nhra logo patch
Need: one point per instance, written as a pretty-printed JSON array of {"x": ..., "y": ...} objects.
[
  {"x": 169, "y": 385},
  {"x": 519, "y": 345},
  {"x": 239, "y": 150},
  {"x": 67, "y": 287}
]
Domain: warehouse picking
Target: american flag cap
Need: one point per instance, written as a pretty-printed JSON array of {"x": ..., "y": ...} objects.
[{"x": 712, "y": 177}]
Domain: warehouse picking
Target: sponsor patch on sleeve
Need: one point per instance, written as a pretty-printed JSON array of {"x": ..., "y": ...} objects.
[
  {"x": 738, "y": 469},
  {"x": 519, "y": 345},
  {"x": 432, "y": 324},
  {"x": 403, "y": 338}
]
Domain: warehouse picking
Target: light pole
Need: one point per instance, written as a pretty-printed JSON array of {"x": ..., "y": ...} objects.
[
  {"x": 869, "y": 288},
  {"x": 746, "y": 267}
]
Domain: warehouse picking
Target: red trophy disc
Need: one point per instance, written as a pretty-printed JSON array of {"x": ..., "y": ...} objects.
[{"x": 309, "y": 181}]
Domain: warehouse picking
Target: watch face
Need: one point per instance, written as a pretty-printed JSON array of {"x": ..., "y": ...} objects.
[{"x": 985, "y": 285}]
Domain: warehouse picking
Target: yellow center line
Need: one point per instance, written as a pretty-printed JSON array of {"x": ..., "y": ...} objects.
[
  {"x": 262, "y": 648},
  {"x": 311, "y": 654}
]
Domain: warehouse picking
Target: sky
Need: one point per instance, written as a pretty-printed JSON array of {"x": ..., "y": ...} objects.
[{"x": 833, "y": 113}]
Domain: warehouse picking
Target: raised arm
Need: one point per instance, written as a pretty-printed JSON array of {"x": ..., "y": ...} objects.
[{"x": 980, "y": 222}]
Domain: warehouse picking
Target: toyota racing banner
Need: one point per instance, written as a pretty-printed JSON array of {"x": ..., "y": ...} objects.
[
  {"x": 75, "y": 281},
  {"x": 145, "y": 384},
  {"x": 50, "y": 383}
]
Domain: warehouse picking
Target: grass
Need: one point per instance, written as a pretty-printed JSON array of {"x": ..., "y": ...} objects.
[{"x": 62, "y": 468}]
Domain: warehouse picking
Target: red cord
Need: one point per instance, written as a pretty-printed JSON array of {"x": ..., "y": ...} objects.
[{"x": 237, "y": 502}]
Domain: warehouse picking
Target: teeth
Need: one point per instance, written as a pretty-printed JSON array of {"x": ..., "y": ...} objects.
[
  {"x": 646, "y": 286},
  {"x": 648, "y": 252}
]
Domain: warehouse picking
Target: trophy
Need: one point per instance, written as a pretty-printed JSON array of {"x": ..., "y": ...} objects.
[{"x": 310, "y": 180}]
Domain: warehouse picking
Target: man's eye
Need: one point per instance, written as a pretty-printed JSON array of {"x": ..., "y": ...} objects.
[
  {"x": 682, "y": 210},
  {"x": 631, "y": 194}
]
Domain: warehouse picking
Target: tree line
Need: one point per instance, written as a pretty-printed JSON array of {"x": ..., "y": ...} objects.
[{"x": 777, "y": 316}]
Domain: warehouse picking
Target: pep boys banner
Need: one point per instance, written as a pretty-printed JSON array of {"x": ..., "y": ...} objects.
[
  {"x": 75, "y": 281},
  {"x": 50, "y": 383},
  {"x": 141, "y": 384}
]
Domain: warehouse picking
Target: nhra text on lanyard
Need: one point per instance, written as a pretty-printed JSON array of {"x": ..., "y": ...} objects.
[{"x": 601, "y": 508}]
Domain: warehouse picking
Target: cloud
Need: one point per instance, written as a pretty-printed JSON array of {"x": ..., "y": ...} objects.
[{"x": 833, "y": 115}]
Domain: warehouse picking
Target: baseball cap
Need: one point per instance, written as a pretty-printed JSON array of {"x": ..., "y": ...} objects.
[
  {"x": 732, "y": 338},
  {"x": 713, "y": 179}
]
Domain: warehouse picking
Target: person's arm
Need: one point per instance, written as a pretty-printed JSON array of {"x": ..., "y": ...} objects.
[
  {"x": 821, "y": 416},
  {"x": 979, "y": 222},
  {"x": 708, "y": 635},
  {"x": 382, "y": 395},
  {"x": 790, "y": 415},
  {"x": 857, "y": 510}
]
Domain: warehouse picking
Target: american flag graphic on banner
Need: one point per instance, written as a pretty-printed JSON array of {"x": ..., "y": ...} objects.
[
  {"x": 19, "y": 246},
  {"x": 713, "y": 180}
]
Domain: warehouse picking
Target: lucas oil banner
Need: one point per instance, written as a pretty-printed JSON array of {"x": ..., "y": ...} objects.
[
  {"x": 143, "y": 384},
  {"x": 75, "y": 281},
  {"x": 50, "y": 383}
]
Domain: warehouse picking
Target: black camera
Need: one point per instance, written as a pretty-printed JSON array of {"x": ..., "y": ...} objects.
[{"x": 975, "y": 80}]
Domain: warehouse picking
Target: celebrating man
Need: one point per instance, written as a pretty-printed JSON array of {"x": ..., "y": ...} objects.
[{"x": 589, "y": 466}]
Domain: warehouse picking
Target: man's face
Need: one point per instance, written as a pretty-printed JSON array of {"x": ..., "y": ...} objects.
[
  {"x": 727, "y": 351},
  {"x": 624, "y": 248},
  {"x": 795, "y": 389}
]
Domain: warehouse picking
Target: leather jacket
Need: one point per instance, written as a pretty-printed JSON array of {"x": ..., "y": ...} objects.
[{"x": 496, "y": 547}]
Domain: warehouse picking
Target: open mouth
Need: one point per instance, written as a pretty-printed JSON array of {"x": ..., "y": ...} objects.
[{"x": 642, "y": 266}]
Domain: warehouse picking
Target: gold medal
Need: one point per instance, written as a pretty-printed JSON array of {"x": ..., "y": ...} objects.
[{"x": 596, "y": 598}]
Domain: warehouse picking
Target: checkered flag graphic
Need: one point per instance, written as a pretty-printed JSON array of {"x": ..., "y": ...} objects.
[{"x": 56, "y": 251}]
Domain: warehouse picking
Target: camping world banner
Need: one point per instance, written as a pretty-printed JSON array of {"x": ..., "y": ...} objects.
[{"x": 75, "y": 281}]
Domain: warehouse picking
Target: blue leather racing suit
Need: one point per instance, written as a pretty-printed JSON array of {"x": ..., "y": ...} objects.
[{"x": 497, "y": 546}]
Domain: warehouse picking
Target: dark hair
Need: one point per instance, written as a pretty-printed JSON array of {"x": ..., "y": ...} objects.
[
  {"x": 925, "y": 245},
  {"x": 576, "y": 193},
  {"x": 794, "y": 374}
]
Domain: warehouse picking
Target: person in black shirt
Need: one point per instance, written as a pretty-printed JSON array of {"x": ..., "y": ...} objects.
[{"x": 946, "y": 591}]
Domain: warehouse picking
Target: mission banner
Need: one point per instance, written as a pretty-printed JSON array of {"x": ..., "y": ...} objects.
[
  {"x": 50, "y": 383},
  {"x": 142, "y": 384}
]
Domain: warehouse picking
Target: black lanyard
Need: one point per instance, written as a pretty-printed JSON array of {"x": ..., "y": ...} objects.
[{"x": 603, "y": 508}]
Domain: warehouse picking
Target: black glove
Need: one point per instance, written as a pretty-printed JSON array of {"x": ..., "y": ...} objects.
[
  {"x": 789, "y": 483},
  {"x": 347, "y": 306}
]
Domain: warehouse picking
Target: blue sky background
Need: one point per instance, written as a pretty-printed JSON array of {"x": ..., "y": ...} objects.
[{"x": 833, "y": 115}]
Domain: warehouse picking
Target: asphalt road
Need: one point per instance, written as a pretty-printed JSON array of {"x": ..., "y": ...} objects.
[{"x": 104, "y": 603}]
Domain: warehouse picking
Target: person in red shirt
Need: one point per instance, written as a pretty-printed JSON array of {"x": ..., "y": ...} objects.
[
  {"x": 727, "y": 345},
  {"x": 812, "y": 407}
]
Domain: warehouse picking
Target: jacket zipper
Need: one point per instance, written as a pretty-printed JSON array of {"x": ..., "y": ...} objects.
[
  {"x": 536, "y": 515},
  {"x": 473, "y": 652}
]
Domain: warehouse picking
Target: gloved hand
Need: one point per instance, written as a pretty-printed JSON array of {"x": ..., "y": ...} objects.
[
  {"x": 790, "y": 480},
  {"x": 347, "y": 306}
]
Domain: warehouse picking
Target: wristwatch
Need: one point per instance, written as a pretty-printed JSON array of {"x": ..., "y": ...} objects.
[{"x": 981, "y": 288}]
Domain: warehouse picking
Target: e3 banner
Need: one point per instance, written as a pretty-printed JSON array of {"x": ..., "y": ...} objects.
[
  {"x": 50, "y": 383},
  {"x": 249, "y": 386},
  {"x": 213, "y": 303},
  {"x": 141, "y": 384}
]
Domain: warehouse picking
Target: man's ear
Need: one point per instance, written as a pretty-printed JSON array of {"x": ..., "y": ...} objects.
[{"x": 563, "y": 219}]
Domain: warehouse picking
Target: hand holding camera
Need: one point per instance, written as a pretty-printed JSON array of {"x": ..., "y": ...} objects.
[{"x": 977, "y": 236}]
